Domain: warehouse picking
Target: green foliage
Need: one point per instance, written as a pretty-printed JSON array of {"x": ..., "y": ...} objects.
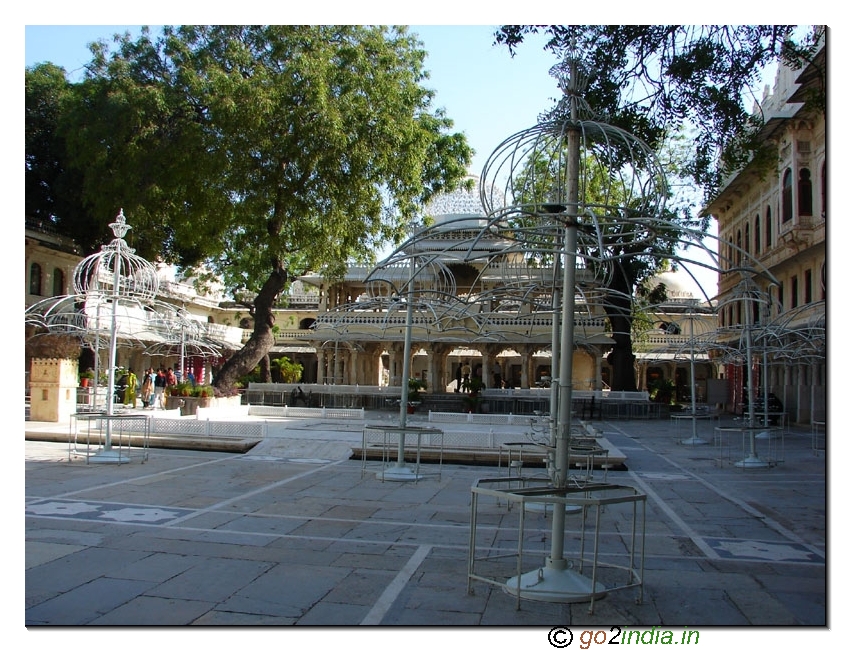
[
  {"x": 290, "y": 371},
  {"x": 662, "y": 391},
  {"x": 52, "y": 189},
  {"x": 186, "y": 389},
  {"x": 180, "y": 389},
  {"x": 242, "y": 144},
  {"x": 414, "y": 387},
  {"x": 654, "y": 79},
  {"x": 262, "y": 151},
  {"x": 252, "y": 377},
  {"x": 204, "y": 391},
  {"x": 476, "y": 385}
]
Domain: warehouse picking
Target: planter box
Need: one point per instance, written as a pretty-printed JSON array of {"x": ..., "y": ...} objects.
[
  {"x": 190, "y": 405},
  {"x": 172, "y": 402}
]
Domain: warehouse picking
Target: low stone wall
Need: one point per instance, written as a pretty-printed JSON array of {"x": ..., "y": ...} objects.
[{"x": 304, "y": 412}]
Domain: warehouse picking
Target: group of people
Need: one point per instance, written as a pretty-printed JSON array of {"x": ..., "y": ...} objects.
[
  {"x": 463, "y": 377},
  {"x": 152, "y": 391}
]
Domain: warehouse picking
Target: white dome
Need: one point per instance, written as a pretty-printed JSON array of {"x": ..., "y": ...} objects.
[
  {"x": 678, "y": 285},
  {"x": 452, "y": 207}
]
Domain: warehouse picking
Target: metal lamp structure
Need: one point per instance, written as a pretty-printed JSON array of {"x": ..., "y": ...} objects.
[
  {"x": 115, "y": 298},
  {"x": 119, "y": 278},
  {"x": 561, "y": 178}
]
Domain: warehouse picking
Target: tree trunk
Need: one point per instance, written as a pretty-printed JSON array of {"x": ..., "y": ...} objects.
[
  {"x": 265, "y": 367},
  {"x": 262, "y": 339},
  {"x": 618, "y": 307}
]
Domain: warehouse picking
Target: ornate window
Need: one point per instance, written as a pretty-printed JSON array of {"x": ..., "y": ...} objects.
[
  {"x": 758, "y": 235},
  {"x": 787, "y": 197},
  {"x": 804, "y": 192},
  {"x": 768, "y": 229},
  {"x": 35, "y": 279},
  {"x": 738, "y": 251},
  {"x": 795, "y": 289},
  {"x": 58, "y": 282}
]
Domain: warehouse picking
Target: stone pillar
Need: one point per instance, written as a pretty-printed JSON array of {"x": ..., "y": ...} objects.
[
  {"x": 354, "y": 372},
  {"x": 433, "y": 373},
  {"x": 526, "y": 367},
  {"x": 597, "y": 379},
  {"x": 53, "y": 389},
  {"x": 395, "y": 370}
]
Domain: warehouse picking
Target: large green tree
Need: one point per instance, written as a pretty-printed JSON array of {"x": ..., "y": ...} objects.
[
  {"x": 657, "y": 82},
  {"x": 52, "y": 188},
  {"x": 262, "y": 151},
  {"x": 652, "y": 80}
]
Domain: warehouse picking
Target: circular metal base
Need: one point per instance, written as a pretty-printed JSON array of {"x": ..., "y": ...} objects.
[
  {"x": 752, "y": 462},
  {"x": 551, "y": 585},
  {"x": 108, "y": 456},
  {"x": 768, "y": 434},
  {"x": 693, "y": 441},
  {"x": 398, "y": 473}
]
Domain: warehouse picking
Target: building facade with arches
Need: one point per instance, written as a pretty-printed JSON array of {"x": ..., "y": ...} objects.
[{"x": 779, "y": 220}]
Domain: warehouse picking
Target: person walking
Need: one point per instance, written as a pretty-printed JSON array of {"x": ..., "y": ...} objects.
[
  {"x": 130, "y": 390},
  {"x": 159, "y": 388},
  {"x": 465, "y": 371},
  {"x": 147, "y": 389}
]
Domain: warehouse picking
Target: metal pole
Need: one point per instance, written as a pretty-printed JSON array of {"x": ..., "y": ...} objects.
[
  {"x": 113, "y": 344},
  {"x": 556, "y": 356},
  {"x": 752, "y": 460},
  {"x": 568, "y": 302},
  {"x": 694, "y": 439},
  {"x": 556, "y": 581},
  {"x": 405, "y": 366},
  {"x": 96, "y": 354}
]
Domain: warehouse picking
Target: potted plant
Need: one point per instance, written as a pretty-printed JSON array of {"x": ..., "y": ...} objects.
[
  {"x": 661, "y": 391},
  {"x": 414, "y": 399},
  {"x": 472, "y": 399},
  {"x": 86, "y": 376},
  {"x": 204, "y": 394},
  {"x": 173, "y": 397}
]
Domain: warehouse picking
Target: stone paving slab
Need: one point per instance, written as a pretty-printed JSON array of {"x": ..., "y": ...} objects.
[{"x": 268, "y": 538}]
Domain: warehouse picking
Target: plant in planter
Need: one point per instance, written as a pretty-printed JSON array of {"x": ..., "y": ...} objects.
[
  {"x": 86, "y": 377},
  {"x": 174, "y": 395},
  {"x": 204, "y": 394},
  {"x": 472, "y": 400},
  {"x": 661, "y": 391},
  {"x": 414, "y": 388}
]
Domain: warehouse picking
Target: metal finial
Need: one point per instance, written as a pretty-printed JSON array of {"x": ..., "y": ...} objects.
[
  {"x": 573, "y": 78},
  {"x": 120, "y": 226}
]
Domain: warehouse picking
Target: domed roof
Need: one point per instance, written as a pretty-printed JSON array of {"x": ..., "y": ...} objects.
[
  {"x": 678, "y": 285},
  {"x": 450, "y": 206}
]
